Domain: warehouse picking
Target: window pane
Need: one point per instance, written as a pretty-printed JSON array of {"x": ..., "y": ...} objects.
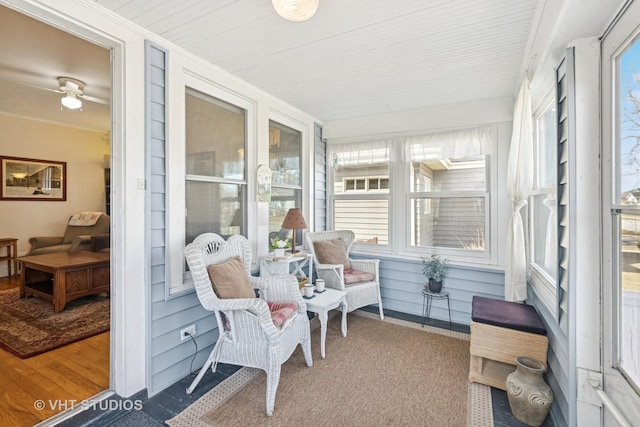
[
  {"x": 353, "y": 169},
  {"x": 368, "y": 219},
  {"x": 629, "y": 143},
  {"x": 282, "y": 199},
  {"x": 545, "y": 233},
  {"x": 547, "y": 148},
  {"x": 628, "y": 180},
  {"x": 285, "y": 152},
  {"x": 630, "y": 296},
  {"x": 215, "y": 137},
  {"x": 213, "y": 208},
  {"x": 435, "y": 166},
  {"x": 449, "y": 222}
]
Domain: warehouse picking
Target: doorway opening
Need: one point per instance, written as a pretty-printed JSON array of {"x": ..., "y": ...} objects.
[{"x": 56, "y": 107}]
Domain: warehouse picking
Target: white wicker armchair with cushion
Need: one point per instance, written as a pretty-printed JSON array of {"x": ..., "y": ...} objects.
[
  {"x": 360, "y": 278},
  {"x": 256, "y": 332}
]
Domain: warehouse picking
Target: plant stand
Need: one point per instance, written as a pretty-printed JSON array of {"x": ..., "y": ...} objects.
[{"x": 427, "y": 302}]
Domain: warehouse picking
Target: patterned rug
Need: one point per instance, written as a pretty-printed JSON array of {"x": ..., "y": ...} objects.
[{"x": 28, "y": 326}]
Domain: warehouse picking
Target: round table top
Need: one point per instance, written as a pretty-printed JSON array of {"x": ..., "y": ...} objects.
[{"x": 441, "y": 294}]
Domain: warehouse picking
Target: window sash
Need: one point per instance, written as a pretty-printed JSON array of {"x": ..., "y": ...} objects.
[
  {"x": 399, "y": 196},
  {"x": 179, "y": 280},
  {"x": 543, "y": 241}
]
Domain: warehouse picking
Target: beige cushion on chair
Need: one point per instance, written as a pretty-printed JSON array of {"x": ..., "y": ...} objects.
[
  {"x": 230, "y": 280},
  {"x": 332, "y": 252},
  {"x": 352, "y": 277}
]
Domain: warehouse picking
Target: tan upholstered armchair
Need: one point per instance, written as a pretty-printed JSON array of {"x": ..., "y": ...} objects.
[
  {"x": 359, "y": 278},
  {"x": 75, "y": 238}
]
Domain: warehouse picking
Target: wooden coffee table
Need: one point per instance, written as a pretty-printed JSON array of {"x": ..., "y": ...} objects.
[{"x": 65, "y": 276}]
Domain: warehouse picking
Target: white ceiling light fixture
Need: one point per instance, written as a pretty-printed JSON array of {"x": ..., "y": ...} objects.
[
  {"x": 71, "y": 101},
  {"x": 72, "y": 89},
  {"x": 295, "y": 10}
]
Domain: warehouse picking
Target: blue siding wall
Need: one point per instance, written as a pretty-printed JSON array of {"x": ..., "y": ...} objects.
[
  {"x": 557, "y": 375},
  {"x": 169, "y": 359},
  {"x": 402, "y": 281}
]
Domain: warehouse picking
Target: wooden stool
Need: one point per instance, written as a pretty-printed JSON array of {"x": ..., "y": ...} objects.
[
  {"x": 500, "y": 332},
  {"x": 12, "y": 254}
]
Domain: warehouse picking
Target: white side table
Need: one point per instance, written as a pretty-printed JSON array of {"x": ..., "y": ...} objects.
[
  {"x": 292, "y": 264},
  {"x": 321, "y": 303}
]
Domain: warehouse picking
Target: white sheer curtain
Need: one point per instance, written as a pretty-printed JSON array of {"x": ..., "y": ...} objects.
[
  {"x": 456, "y": 144},
  {"x": 519, "y": 186}
]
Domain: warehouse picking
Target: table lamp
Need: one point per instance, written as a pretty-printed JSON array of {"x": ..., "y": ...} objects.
[{"x": 294, "y": 221}]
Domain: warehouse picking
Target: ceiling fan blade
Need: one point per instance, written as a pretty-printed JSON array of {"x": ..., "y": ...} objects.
[
  {"x": 93, "y": 99},
  {"x": 36, "y": 87}
]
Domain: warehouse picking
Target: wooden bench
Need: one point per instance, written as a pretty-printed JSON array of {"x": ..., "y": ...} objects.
[{"x": 500, "y": 332}]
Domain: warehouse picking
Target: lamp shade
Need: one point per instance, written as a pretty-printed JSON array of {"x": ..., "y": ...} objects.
[
  {"x": 295, "y": 10},
  {"x": 294, "y": 220}
]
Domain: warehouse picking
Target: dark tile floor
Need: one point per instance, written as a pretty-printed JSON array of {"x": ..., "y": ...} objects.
[{"x": 173, "y": 400}]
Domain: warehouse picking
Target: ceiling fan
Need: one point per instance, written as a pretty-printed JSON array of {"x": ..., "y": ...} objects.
[{"x": 73, "y": 90}]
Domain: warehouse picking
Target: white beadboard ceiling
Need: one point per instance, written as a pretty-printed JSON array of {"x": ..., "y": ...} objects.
[{"x": 354, "y": 58}]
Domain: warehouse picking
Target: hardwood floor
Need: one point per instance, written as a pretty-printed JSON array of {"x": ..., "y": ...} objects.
[{"x": 56, "y": 380}]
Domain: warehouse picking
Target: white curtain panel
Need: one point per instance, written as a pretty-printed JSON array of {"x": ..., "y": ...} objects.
[{"x": 519, "y": 186}]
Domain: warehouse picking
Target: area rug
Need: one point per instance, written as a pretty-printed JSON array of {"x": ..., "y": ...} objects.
[
  {"x": 28, "y": 326},
  {"x": 382, "y": 373}
]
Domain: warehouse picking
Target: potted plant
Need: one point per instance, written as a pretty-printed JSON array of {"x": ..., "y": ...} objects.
[
  {"x": 434, "y": 268},
  {"x": 278, "y": 246}
]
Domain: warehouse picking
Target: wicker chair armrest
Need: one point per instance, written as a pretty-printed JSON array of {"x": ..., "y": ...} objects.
[
  {"x": 283, "y": 288},
  {"x": 333, "y": 275},
  {"x": 44, "y": 241},
  {"x": 247, "y": 315},
  {"x": 367, "y": 265}
]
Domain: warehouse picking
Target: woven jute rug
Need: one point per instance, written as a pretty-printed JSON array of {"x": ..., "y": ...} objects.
[
  {"x": 28, "y": 326},
  {"x": 383, "y": 373}
]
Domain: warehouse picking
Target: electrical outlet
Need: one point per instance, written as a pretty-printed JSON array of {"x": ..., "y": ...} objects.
[{"x": 184, "y": 333}]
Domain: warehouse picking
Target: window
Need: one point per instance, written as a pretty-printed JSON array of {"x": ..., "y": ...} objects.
[
  {"x": 285, "y": 160},
  {"x": 215, "y": 187},
  {"x": 360, "y": 196},
  {"x": 543, "y": 218},
  {"x": 626, "y": 211},
  {"x": 448, "y": 196},
  {"x": 366, "y": 184},
  {"x": 439, "y": 192},
  {"x": 620, "y": 296}
]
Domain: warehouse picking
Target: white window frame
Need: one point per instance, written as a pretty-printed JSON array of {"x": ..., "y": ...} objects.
[
  {"x": 179, "y": 280},
  {"x": 285, "y": 120},
  {"x": 544, "y": 286},
  {"x": 399, "y": 199},
  {"x": 620, "y": 391},
  {"x": 360, "y": 195}
]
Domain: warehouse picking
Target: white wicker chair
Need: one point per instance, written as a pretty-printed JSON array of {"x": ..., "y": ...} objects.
[
  {"x": 358, "y": 294},
  {"x": 247, "y": 335}
]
